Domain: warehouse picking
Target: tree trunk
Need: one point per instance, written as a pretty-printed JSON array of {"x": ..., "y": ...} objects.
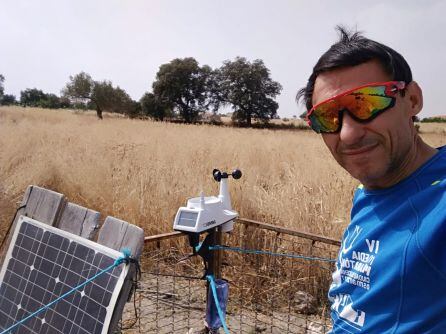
[
  {"x": 248, "y": 120},
  {"x": 99, "y": 112}
]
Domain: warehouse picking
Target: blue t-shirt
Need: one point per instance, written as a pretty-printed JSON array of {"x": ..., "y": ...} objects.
[{"x": 391, "y": 270}]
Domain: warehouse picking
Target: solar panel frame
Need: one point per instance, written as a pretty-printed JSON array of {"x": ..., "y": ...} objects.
[{"x": 52, "y": 254}]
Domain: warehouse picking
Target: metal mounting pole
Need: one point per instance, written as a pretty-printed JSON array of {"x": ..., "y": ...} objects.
[
  {"x": 218, "y": 253},
  {"x": 215, "y": 257},
  {"x": 214, "y": 262}
]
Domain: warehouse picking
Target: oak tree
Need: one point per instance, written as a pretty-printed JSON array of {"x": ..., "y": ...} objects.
[
  {"x": 184, "y": 85},
  {"x": 249, "y": 90}
]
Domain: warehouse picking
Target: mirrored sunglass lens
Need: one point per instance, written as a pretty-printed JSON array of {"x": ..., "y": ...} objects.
[
  {"x": 371, "y": 90},
  {"x": 325, "y": 118},
  {"x": 318, "y": 125},
  {"x": 365, "y": 106}
]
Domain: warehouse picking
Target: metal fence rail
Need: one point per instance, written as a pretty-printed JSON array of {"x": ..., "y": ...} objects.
[{"x": 267, "y": 293}]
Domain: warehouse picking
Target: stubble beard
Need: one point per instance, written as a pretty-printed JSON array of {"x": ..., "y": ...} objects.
[{"x": 377, "y": 173}]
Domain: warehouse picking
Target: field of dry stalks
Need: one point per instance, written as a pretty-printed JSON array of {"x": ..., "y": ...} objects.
[{"x": 142, "y": 171}]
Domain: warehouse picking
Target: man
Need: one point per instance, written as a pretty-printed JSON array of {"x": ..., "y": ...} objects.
[{"x": 391, "y": 271}]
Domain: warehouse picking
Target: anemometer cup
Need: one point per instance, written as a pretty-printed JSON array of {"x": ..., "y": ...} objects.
[
  {"x": 236, "y": 174},
  {"x": 217, "y": 175}
]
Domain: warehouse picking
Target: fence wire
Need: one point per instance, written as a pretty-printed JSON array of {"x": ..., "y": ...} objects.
[{"x": 267, "y": 294}]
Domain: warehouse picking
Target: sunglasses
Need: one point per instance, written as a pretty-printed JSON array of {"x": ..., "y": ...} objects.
[{"x": 363, "y": 104}]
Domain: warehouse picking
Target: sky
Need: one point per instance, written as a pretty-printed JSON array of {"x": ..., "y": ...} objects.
[{"x": 125, "y": 41}]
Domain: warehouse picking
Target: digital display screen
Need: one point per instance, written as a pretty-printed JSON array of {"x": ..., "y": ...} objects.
[{"x": 188, "y": 219}]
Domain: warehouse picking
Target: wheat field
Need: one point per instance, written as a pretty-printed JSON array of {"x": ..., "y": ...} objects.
[{"x": 142, "y": 171}]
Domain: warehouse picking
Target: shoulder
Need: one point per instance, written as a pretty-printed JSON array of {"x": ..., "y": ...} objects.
[
  {"x": 434, "y": 173},
  {"x": 430, "y": 208}
]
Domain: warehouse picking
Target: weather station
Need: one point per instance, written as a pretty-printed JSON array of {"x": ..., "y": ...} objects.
[
  {"x": 211, "y": 215},
  {"x": 205, "y": 213}
]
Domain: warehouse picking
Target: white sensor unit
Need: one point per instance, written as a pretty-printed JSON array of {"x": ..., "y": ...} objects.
[{"x": 204, "y": 213}]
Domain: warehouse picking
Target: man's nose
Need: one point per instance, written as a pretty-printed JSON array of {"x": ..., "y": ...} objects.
[{"x": 351, "y": 130}]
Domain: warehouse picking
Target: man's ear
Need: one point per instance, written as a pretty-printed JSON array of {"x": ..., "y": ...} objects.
[{"x": 414, "y": 93}]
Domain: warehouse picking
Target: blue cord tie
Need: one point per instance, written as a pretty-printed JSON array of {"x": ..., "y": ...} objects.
[
  {"x": 254, "y": 251},
  {"x": 123, "y": 259},
  {"x": 217, "y": 304},
  {"x": 197, "y": 248}
]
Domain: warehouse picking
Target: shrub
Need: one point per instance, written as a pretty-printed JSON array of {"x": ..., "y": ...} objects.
[{"x": 436, "y": 119}]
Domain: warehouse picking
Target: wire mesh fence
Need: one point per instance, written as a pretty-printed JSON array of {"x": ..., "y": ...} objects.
[{"x": 268, "y": 293}]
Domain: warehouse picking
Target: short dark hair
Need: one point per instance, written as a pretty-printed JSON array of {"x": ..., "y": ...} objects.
[{"x": 354, "y": 49}]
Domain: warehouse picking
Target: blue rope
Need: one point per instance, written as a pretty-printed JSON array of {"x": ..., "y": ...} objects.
[
  {"x": 217, "y": 304},
  {"x": 197, "y": 248},
  {"x": 254, "y": 251},
  {"x": 117, "y": 262}
]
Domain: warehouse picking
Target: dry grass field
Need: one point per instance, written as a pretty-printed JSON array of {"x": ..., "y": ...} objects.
[{"x": 142, "y": 171}]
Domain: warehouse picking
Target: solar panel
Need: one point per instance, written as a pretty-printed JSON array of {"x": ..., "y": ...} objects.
[{"x": 43, "y": 263}]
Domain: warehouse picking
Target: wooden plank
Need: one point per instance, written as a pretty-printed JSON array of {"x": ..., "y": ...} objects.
[
  {"x": 118, "y": 234},
  {"x": 288, "y": 231},
  {"x": 164, "y": 236},
  {"x": 38, "y": 203},
  {"x": 111, "y": 232},
  {"x": 90, "y": 225},
  {"x": 27, "y": 194},
  {"x": 133, "y": 239},
  {"x": 43, "y": 205},
  {"x": 79, "y": 220}
]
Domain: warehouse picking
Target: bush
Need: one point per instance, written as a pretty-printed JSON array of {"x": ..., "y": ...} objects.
[
  {"x": 8, "y": 100},
  {"x": 436, "y": 119}
]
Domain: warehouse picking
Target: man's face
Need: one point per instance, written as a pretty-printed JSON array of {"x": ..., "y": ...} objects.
[{"x": 377, "y": 152}]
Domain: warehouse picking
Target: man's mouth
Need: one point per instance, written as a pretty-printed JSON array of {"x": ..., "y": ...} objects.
[{"x": 359, "y": 150}]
